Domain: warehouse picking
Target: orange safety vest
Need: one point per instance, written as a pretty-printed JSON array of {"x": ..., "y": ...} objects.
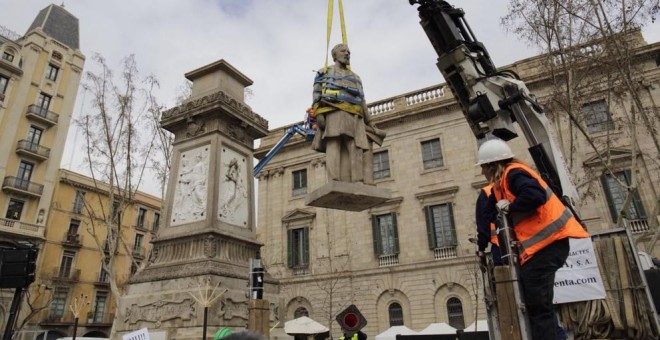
[
  {"x": 493, "y": 228},
  {"x": 550, "y": 222}
]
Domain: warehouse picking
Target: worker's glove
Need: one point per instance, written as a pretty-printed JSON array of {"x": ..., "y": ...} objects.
[
  {"x": 503, "y": 206},
  {"x": 320, "y": 121}
]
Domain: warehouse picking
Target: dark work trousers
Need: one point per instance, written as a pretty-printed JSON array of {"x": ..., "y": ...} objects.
[{"x": 538, "y": 277}]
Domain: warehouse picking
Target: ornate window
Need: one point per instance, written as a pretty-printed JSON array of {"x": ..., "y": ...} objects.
[
  {"x": 615, "y": 189},
  {"x": 386, "y": 237},
  {"x": 440, "y": 225},
  {"x": 7, "y": 56},
  {"x": 300, "y": 311},
  {"x": 432, "y": 154},
  {"x": 298, "y": 247},
  {"x": 396, "y": 314},
  {"x": 299, "y": 182},
  {"x": 597, "y": 116},
  {"x": 455, "y": 313},
  {"x": 381, "y": 165}
]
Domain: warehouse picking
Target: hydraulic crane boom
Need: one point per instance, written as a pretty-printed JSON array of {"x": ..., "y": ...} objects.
[{"x": 492, "y": 100}]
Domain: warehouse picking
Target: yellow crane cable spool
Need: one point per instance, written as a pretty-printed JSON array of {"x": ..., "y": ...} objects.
[{"x": 344, "y": 39}]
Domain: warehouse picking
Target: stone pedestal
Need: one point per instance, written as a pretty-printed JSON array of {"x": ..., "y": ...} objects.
[
  {"x": 259, "y": 311},
  {"x": 209, "y": 232},
  {"x": 347, "y": 196}
]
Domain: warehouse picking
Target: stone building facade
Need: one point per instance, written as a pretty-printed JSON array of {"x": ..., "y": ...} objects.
[
  {"x": 70, "y": 260},
  {"x": 409, "y": 261},
  {"x": 39, "y": 76}
]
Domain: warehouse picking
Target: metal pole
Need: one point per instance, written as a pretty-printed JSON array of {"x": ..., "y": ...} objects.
[
  {"x": 75, "y": 327},
  {"x": 206, "y": 310},
  {"x": 13, "y": 311}
]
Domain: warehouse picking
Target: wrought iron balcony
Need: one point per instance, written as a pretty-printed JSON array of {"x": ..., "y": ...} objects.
[
  {"x": 22, "y": 187},
  {"x": 102, "y": 279},
  {"x": 58, "y": 320},
  {"x": 42, "y": 115},
  {"x": 100, "y": 319},
  {"x": 58, "y": 274},
  {"x": 72, "y": 240},
  {"x": 33, "y": 150},
  {"x": 11, "y": 226},
  {"x": 138, "y": 253}
]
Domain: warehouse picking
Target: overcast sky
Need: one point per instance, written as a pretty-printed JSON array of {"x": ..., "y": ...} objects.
[{"x": 276, "y": 43}]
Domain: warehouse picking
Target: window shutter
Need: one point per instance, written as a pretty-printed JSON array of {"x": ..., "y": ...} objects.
[
  {"x": 395, "y": 234},
  {"x": 290, "y": 247},
  {"x": 430, "y": 230},
  {"x": 376, "y": 234},
  {"x": 452, "y": 227},
  {"x": 638, "y": 210},
  {"x": 305, "y": 246},
  {"x": 608, "y": 196}
]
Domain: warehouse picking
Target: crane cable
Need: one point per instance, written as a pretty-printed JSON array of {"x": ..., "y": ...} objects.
[{"x": 344, "y": 38}]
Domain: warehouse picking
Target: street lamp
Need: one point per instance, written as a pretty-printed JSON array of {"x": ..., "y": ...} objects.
[{"x": 76, "y": 308}]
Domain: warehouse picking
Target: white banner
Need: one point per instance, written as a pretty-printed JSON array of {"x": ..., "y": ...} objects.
[
  {"x": 142, "y": 334},
  {"x": 579, "y": 278}
]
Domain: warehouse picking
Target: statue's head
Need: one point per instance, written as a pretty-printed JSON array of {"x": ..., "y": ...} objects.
[{"x": 341, "y": 54}]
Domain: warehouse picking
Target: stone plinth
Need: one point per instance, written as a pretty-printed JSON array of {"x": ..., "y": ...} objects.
[{"x": 347, "y": 196}]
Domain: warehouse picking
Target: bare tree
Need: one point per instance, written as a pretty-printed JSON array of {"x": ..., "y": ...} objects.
[
  {"x": 591, "y": 47},
  {"x": 115, "y": 156}
]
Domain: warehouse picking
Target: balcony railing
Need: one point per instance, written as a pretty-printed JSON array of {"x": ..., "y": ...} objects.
[
  {"x": 8, "y": 225},
  {"x": 64, "y": 319},
  {"x": 102, "y": 279},
  {"x": 100, "y": 318},
  {"x": 34, "y": 150},
  {"x": 42, "y": 115},
  {"x": 73, "y": 240},
  {"x": 444, "y": 253},
  {"x": 403, "y": 101},
  {"x": 639, "y": 226},
  {"x": 58, "y": 275},
  {"x": 388, "y": 260},
  {"x": 138, "y": 252},
  {"x": 301, "y": 269},
  {"x": 21, "y": 186}
]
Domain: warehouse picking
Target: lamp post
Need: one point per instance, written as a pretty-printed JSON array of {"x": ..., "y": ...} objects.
[
  {"x": 77, "y": 307},
  {"x": 205, "y": 297}
]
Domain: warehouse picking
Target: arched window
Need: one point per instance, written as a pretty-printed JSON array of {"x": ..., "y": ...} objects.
[
  {"x": 455, "y": 313},
  {"x": 396, "y": 314},
  {"x": 300, "y": 311}
]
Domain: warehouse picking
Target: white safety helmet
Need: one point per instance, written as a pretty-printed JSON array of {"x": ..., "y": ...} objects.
[{"x": 494, "y": 150}]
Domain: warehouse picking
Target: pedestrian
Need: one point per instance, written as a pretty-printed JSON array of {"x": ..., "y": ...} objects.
[{"x": 542, "y": 226}]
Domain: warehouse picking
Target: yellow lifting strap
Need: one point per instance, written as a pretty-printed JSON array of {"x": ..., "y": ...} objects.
[{"x": 344, "y": 39}]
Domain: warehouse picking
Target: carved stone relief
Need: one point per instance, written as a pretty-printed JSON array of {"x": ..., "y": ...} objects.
[
  {"x": 160, "y": 311},
  {"x": 189, "y": 204},
  {"x": 233, "y": 188},
  {"x": 230, "y": 308},
  {"x": 210, "y": 246}
]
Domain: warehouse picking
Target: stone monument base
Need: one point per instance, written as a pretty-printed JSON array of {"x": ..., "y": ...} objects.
[{"x": 347, "y": 196}]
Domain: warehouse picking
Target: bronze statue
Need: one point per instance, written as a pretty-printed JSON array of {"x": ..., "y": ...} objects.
[{"x": 345, "y": 130}]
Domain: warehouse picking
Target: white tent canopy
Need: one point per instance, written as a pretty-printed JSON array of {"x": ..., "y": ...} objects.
[
  {"x": 304, "y": 325},
  {"x": 390, "y": 333},
  {"x": 438, "y": 328},
  {"x": 482, "y": 326}
]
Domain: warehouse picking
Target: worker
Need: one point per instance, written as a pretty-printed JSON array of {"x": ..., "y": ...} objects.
[
  {"x": 343, "y": 119},
  {"x": 486, "y": 230},
  {"x": 542, "y": 225}
]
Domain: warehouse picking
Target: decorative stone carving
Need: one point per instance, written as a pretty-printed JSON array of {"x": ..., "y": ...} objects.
[
  {"x": 191, "y": 187},
  {"x": 274, "y": 315},
  {"x": 160, "y": 311},
  {"x": 154, "y": 255},
  {"x": 210, "y": 246},
  {"x": 193, "y": 129},
  {"x": 233, "y": 188},
  {"x": 230, "y": 308}
]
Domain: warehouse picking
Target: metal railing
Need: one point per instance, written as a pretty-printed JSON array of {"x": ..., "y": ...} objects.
[
  {"x": 59, "y": 274},
  {"x": 33, "y": 148},
  {"x": 75, "y": 239},
  {"x": 16, "y": 183},
  {"x": 100, "y": 318},
  {"x": 388, "y": 260},
  {"x": 43, "y": 114},
  {"x": 444, "y": 253}
]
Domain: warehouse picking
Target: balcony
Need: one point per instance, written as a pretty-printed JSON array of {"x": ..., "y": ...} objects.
[
  {"x": 388, "y": 260},
  {"x": 22, "y": 187},
  {"x": 102, "y": 279},
  {"x": 58, "y": 320},
  {"x": 300, "y": 269},
  {"x": 32, "y": 150},
  {"x": 100, "y": 319},
  {"x": 138, "y": 253},
  {"x": 444, "y": 253},
  {"x": 72, "y": 240},
  {"x": 42, "y": 115},
  {"x": 639, "y": 226},
  {"x": 59, "y": 276},
  {"x": 21, "y": 228}
]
